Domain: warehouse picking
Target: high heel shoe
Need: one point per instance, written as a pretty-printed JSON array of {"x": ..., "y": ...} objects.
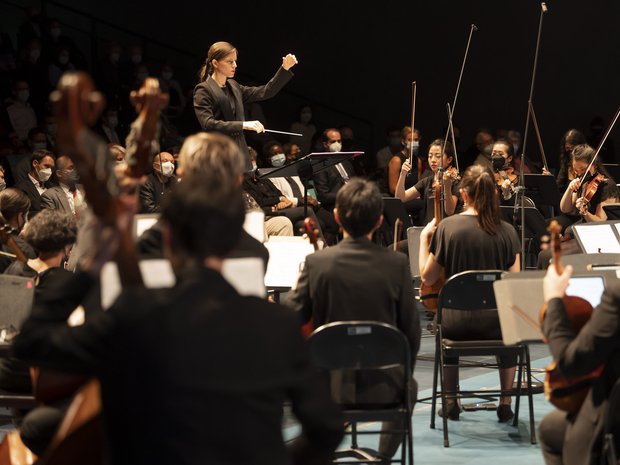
[
  {"x": 453, "y": 411},
  {"x": 504, "y": 413}
]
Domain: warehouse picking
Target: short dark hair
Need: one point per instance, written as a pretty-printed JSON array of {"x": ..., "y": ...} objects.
[
  {"x": 205, "y": 217},
  {"x": 359, "y": 206},
  {"x": 12, "y": 202},
  {"x": 39, "y": 154},
  {"x": 51, "y": 230}
]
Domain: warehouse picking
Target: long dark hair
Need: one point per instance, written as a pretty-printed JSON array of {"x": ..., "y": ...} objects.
[
  {"x": 585, "y": 153},
  {"x": 217, "y": 51},
  {"x": 479, "y": 184}
]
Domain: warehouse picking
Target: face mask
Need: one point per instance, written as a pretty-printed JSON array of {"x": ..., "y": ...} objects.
[
  {"x": 515, "y": 147},
  {"x": 498, "y": 162},
  {"x": 167, "y": 75},
  {"x": 305, "y": 117},
  {"x": 39, "y": 146},
  {"x": 23, "y": 95},
  {"x": 416, "y": 147},
  {"x": 52, "y": 129},
  {"x": 135, "y": 59},
  {"x": 335, "y": 147},
  {"x": 112, "y": 121},
  {"x": 63, "y": 59},
  {"x": 35, "y": 54},
  {"x": 167, "y": 168},
  {"x": 55, "y": 32},
  {"x": 114, "y": 57},
  {"x": 72, "y": 176},
  {"x": 2, "y": 185},
  {"x": 44, "y": 174},
  {"x": 278, "y": 160}
]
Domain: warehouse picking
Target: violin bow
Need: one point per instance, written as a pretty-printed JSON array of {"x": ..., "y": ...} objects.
[
  {"x": 520, "y": 190},
  {"x": 601, "y": 143},
  {"x": 413, "y": 95},
  {"x": 537, "y": 130}
]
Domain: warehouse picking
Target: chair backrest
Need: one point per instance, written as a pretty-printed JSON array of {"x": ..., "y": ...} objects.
[
  {"x": 359, "y": 345},
  {"x": 469, "y": 290}
]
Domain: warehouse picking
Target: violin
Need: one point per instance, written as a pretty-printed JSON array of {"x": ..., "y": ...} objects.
[
  {"x": 589, "y": 191},
  {"x": 312, "y": 233},
  {"x": 430, "y": 293},
  {"x": 6, "y": 236},
  {"x": 567, "y": 393}
]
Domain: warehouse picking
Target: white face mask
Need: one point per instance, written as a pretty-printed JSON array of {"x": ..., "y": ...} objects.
[
  {"x": 167, "y": 168},
  {"x": 416, "y": 147},
  {"x": 335, "y": 147},
  {"x": 278, "y": 160},
  {"x": 44, "y": 174}
]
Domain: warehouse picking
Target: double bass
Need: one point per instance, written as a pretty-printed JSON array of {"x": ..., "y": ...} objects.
[{"x": 567, "y": 393}]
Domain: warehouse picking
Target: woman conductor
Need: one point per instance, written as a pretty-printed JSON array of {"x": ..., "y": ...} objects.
[{"x": 219, "y": 99}]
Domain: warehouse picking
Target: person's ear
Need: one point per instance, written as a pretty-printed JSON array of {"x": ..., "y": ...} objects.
[
  {"x": 379, "y": 221},
  {"x": 337, "y": 217}
]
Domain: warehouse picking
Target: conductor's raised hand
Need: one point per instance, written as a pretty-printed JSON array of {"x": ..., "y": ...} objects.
[
  {"x": 289, "y": 61},
  {"x": 255, "y": 126}
]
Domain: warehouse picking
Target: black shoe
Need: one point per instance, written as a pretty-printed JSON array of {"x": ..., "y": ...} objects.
[
  {"x": 504, "y": 413},
  {"x": 453, "y": 412}
]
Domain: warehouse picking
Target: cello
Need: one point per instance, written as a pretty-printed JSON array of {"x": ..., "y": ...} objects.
[
  {"x": 79, "y": 439},
  {"x": 567, "y": 393}
]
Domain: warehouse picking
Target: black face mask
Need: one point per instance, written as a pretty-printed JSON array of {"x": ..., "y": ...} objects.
[{"x": 498, "y": 162}]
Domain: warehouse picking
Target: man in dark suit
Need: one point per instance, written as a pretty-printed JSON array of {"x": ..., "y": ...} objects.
[
  {"x": 158, "y": 183},
  {"x": 42, "y": 163},
  {"x": 359, "y": 280},
  {"x": 328, "y": 182},
  {"x": 224, "y": 364},
  {"x": 575, "y": 439},
  {"x": 66, "y": 197}
]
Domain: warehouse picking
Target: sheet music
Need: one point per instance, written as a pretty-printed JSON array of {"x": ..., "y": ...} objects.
[
  {"x": 597, "y": 238},
  {"x": 156, "y": 273},
  {"x": 518, "y": 304},
  {"x": 254, "y": 225},
  {"x": 246, "y": 275},
  {"x": 286, "y": 255}
]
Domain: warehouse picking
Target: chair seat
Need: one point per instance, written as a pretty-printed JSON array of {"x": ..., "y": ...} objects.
[
  {"x": 487, "y": 347},
  {"x": 374, "y": 415}
]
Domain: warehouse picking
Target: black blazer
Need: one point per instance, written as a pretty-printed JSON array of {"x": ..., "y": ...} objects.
[
  {"x": 597, "y": 343},
  {"x": 193, "y": 374},
  {"x": 359, "y": 280},
  {"x": 328, "y": 182},
  {"x": 31, "y": 191},
  {"x": 214, "y": 112}
]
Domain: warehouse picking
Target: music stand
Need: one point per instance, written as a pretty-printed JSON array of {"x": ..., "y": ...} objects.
[
  {"x": 306, "y": 167},
  {"x": 534, "y": 222},
  {"x": 543, "y": 190}
]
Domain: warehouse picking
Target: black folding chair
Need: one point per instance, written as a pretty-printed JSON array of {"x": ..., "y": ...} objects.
[
  {"x": 368, "y": 345},
  {"x": 473, "y": 290}
]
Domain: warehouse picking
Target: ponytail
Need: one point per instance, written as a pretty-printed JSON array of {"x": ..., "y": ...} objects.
[
  {"x": 217, "y": 51},
  {"x": 479, "y": 183}
]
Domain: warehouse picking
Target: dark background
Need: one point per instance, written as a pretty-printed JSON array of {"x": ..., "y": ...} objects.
[{"x": 356, "y": 63}]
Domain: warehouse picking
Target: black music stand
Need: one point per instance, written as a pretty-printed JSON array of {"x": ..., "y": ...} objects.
[
  {"x": 306, "y": 167},
  {"x": 534, "y": 222},
  {"x": 543, "y": 190},
  {"x": 612, "y": 211}
]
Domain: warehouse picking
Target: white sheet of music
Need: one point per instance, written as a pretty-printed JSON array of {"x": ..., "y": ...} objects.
[
  {"x": 598, "y": 238},
  {"x": 246, "y": 275},
  {"x": 254, "y": 225},
  {"x": 286, "y": 256},
  {"x": 155, "y": 274}
]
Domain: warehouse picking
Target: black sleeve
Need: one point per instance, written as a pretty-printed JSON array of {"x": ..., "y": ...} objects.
[
  {"x": 148, "y": 203},
  {"x": 323, "y": 189}
]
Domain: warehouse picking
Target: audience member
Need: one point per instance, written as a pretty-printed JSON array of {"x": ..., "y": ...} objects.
[
  {"x": 14, "y": 207},
  {"x": 21, "y": 114},
  {"x": 158, "y": 184},
  {"x": 67, "y": 197},
  {"x": 304, "y": 126},
  {"x": 42, "y": 163}
]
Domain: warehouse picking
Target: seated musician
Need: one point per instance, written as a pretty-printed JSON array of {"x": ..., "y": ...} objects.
[
  {"x": 223, "y": 363},
  {"x": 424, "y": 187},
  {"x": 506, "y": 176},
  {"x": 575, "y": 439},
  {"x": 585, "y": 203},
  {"x": 360, "y": 280},
  {"x": 14, "y": 206},
  {"x": 475, "y": 239},
  {"x": 52, "y": 233}
]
